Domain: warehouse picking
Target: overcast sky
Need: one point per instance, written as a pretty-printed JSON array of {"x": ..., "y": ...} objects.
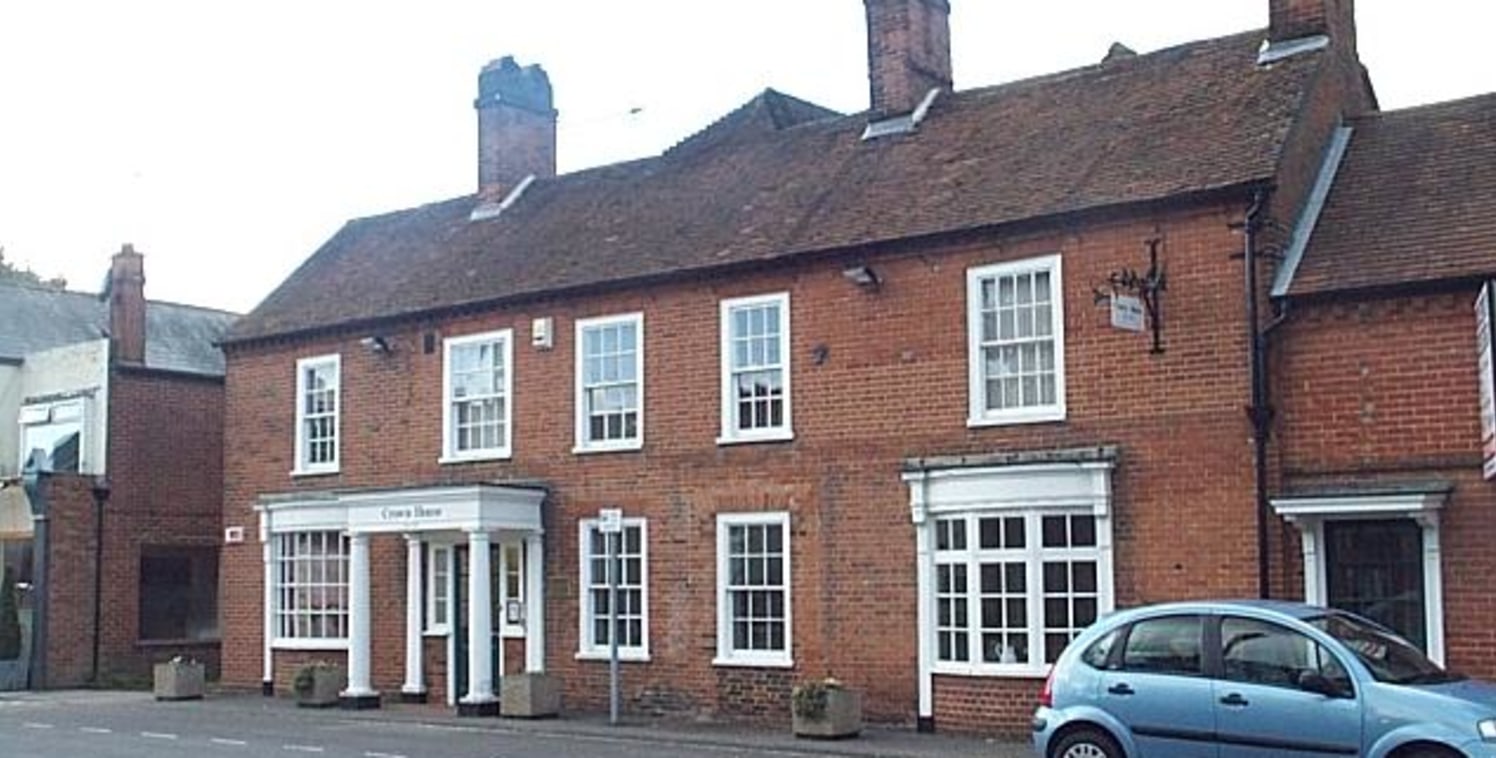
[{"x": 228, "y": 139}]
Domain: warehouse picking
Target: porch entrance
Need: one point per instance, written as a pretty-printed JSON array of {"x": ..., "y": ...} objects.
[{"x": 459, "y": 660}]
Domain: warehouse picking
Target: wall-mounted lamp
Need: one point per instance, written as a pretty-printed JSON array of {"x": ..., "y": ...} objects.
[
  {"x": 376, "y": 344},
  {"x": 863, "y": 276}
]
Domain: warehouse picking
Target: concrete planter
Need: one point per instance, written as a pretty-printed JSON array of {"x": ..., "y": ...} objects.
[
  {"x": 838, "y": 715},
  {"x": 529, "y": 696},
  {"x": 317, "y": 685},
  {"x": 179, "y": 680}
]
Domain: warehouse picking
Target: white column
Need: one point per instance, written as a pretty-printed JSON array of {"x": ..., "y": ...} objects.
[
  {"x": 535, "y": 603},
  {"x": 414, "y": 653},
  {"x": 480, "y": 622},
  {"x": 358, "y": 618},
  {"x": 267, "y": 676}
]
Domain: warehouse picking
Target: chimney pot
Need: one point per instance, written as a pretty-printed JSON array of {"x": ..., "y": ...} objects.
[
  {"x": 908, "y": 52},
  {"x": 516, "y": 125}
]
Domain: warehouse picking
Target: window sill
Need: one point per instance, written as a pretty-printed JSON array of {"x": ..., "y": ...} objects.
[
  {"x": 778, "y": 435},
  {"x": 623, "y": 447},
  {"x": 627, "y": 656},
  {"x": 995, "y": 672},
  {"x": 436, "y": 631},
  {"x": 1046, "y": 416},
  {"x": 761, "y": 663},
  {"x": 300, "y": 472},
  {"x": 502, "y": 455},
  {"x": 293, "y": 644}
]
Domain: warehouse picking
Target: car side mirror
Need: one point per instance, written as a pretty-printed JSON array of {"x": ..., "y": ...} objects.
[{"x": 1313, "y": 681}]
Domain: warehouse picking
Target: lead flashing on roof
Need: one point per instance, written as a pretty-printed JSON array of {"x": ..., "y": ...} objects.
[
  {"x": 486, "y": 210},
  {"x": 904, "y": 124},
  {"x": 1314, "y": 205},
  {"x": 1272, "y": 52}
]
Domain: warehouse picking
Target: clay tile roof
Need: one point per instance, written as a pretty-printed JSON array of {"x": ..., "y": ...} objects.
[
  {"x": 1413, "y": 202},
  {"x": 780, "y": 177}
]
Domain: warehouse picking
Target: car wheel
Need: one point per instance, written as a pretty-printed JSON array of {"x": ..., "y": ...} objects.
[
  {"x": 1426, "y": 752},
  {"x": 1086, "y": 743}
]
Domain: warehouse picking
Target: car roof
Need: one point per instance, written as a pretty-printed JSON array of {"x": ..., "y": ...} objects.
[{"x": 1255, "y": 607}]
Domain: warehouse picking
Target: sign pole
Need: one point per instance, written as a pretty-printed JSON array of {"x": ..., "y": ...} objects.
[{"x": 612, "y": 529}]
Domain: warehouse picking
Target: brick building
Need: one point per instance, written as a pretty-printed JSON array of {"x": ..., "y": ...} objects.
[
  {"x": 1377, "y": 371},
  {"x": 853, "y": 381},
  {"x": 111, "y": 459}
]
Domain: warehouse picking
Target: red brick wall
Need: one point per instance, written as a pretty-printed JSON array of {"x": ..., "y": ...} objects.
[
  {"x": 70, "y": 579},
  {"x": 166, "y": 482},
  {"x": 1385, "y": 389},
  {"x": 893, "y": 386}
]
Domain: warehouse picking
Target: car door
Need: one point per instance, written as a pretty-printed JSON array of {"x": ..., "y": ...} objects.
[
  {"x": 1156, "y": 686},
  {"x": 1265, "y": 702}
]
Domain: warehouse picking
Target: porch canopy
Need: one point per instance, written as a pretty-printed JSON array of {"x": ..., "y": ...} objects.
[{"x": 15, "y": 513}]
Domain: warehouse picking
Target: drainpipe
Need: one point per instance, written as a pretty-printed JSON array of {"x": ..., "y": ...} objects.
[
  {"x": 100, "y": 496},
  {"x": 1258, "y": 412}
]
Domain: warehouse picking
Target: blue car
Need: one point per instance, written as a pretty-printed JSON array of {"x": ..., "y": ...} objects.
[{"x": 1240, "y": 679}]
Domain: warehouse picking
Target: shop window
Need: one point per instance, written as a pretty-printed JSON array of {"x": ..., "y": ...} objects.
[{"x": 178, "y": 593}]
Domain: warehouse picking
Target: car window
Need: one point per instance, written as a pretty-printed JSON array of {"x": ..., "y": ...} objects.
[
  {"x": 1166, "y": 645},
  {"x": 1389, "y": 657},
  {"x": 1098, "y": 655},
  {"x": 1258, "y": 652}
]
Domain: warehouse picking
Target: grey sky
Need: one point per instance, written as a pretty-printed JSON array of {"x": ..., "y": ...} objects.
[{"x": 228, "y": 139}]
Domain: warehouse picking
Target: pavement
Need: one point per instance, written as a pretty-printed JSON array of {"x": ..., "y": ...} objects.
[{"x": 875, "y": 741}]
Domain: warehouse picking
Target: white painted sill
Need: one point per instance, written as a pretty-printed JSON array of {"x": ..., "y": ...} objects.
[
  {"x": 483, "y": 457},
  {"x": 1045, "y": 416},
  {"x": 778, "y": 435},
  {"x": 627, "y": 656},
  {"x": 293, "y": 644},
  {"x": 300, "y": 472},
  {"x": 752, "y": 663},
  {"x": 632, "y": 446}
]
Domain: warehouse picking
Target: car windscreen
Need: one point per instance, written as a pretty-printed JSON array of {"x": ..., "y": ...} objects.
[{"x": 1389, "y": 657}]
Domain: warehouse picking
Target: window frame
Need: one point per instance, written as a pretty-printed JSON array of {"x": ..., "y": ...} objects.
[
  {"x": 518, "y": 569},
  {"x": 583, "y": 443},
  {"x": 1033, "y": 556},
  {"x": 280, "y": 614},
  {"x": 729, "y": 434},
  {"x": 438, "y": 556},
  {"x": 303, "y": 464},
  {"x": 27, "y": 421},
  {"x": 726, "y": 654},
  {"x": 978, "y": 415},
  {"x": 587, "y": 647},
  {"x": 505, "y": 450}
]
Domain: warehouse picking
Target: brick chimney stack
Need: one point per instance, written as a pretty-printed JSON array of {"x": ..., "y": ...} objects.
[
  {"x": 908, "y": 52},
  {"x": 1296, "y": 19},
  {"x": 127, "y": 306},
  {"x": 516, "y": 125}
]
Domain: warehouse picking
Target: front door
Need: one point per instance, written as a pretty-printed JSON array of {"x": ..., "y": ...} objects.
[
  {"x": 460, "y": 609},
  {"x": 1375, "y": 569}
]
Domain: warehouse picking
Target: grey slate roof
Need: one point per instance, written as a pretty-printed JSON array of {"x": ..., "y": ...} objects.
[{"x": 177, "y": 337}]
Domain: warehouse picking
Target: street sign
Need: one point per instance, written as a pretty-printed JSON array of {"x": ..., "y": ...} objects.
[{"x": 610, "y": 520}]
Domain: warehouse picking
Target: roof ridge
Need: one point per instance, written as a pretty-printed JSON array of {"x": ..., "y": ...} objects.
[{"x": 1483, "y": 98}]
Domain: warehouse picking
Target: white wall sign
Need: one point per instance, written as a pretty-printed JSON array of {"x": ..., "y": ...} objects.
[
  {"x": 1127, "y": 312},
  {"x": 1485, "y": 333},
  {"x": 610, "y": 520}
]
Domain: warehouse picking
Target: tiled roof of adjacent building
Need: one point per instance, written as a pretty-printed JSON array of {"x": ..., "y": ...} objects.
[
  {"x": 782, "y": 178},
  {"x": 178, "y": 337},
  {"x": 1413, "y": 202}
]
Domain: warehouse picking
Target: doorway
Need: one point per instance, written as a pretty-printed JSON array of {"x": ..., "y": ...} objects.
[
  {"x": 459, "y": 668},
  {"x": 1375, "y": 568}
]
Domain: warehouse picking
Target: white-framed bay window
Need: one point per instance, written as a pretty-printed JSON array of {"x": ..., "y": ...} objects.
[
  {"x": 1014, "y": 559},
  {"x": 755, "y": 351},
  {"x": 610, "y": 383},
  {"x": 310, "y": 589},
  {"x": 318, "y": 404},
  {"x": 631, "y": 622},
  {"x": 438, "y": 589},
  {"x": 477, "y": 396},
  {"x": 753, "y": 590},
  {"x": 1015, "y": 323}
]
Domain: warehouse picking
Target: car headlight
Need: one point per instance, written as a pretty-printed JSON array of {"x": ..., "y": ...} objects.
[{"x": 1487, "y": 730}]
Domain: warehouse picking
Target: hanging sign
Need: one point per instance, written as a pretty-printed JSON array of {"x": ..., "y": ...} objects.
[
  {"x": 1127, "y": 312},
  {"x": 1485, "y": 333}
]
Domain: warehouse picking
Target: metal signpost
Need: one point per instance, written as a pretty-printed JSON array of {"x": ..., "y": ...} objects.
[{"x": 611, "y": 525}]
